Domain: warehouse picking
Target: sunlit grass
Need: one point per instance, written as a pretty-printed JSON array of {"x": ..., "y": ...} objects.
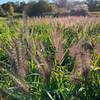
[{"x": 50, "y": 58}]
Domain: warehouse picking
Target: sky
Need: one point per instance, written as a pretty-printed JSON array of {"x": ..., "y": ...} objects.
[{"x": 4, "y": 1}]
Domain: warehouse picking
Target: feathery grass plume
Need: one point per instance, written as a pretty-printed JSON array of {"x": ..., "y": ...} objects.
[
  {"x": 57, "y": 42},
  {"x": 20, "y": 82},
  {"x": 45, "y": 69},
  {"x": 81, "y": 55},
  {"x": 97, "y": 48},
  {"x": 25, "y": 22}
]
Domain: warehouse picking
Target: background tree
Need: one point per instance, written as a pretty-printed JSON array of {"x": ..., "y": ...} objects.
[
  {"x": 2, "y": 11},
  {"x": 93, "y": 4},
  {"x": 10, "y": 9},
  {"x": 98, "y": 6},
  {"x": 39, "y": 8},
  {"x": 19, "y": 6}
]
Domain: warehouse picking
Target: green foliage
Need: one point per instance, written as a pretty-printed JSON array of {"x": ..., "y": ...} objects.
[
  {"x": 40, "y": 8},
  {"x": 94, "y": 5}
]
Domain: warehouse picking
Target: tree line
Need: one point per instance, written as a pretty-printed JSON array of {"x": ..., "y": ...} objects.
[
  {"x": 32, "y": 8},
  {"x": 42, "y": 7}
]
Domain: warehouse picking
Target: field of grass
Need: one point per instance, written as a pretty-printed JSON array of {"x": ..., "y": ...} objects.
[{"x": 50, "y": 59}]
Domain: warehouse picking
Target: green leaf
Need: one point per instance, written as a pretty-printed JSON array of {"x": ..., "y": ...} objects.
[{"x": 49, "y": 95}]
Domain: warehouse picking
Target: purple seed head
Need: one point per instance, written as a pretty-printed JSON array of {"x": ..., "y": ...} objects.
[{"x": 85, "y": 72}]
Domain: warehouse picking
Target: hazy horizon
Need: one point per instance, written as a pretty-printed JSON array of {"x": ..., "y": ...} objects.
[{"x": 4, "y": 1}]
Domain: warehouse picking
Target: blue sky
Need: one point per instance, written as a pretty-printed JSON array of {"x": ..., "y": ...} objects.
[{"x": 4, "y": 1}]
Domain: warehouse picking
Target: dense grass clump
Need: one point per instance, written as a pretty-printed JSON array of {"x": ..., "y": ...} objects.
[{"x": 50, "y": 59}]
